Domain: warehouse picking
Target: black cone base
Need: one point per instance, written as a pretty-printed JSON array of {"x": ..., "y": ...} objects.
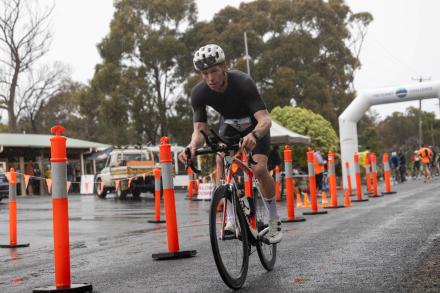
[
  {"x": 14, "y": 245},
  {"x": 174, "y": 255},
  {"x": 156, "y": 221},
  {"x": 295, "y": 219},
  {"x": 196, "y": 199},
  {"x": 314, "y": 213},
  {"x": 373, "y": 196},
  {"x": 392, "y": 192},
  {"x": 83, "y": 287},
  {"x": 334, "y": 207},
  {"x": 359, "y": 200}
]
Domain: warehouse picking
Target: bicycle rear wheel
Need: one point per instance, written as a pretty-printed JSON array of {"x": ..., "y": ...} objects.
[
  {"x": 231, "y": 252},
  {"x": 267, "y": 252}
]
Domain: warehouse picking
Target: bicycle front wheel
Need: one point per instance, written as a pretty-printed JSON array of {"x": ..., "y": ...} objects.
[
  {"x": 267, "y": 252},
  {"x": 230, "y": 250}
]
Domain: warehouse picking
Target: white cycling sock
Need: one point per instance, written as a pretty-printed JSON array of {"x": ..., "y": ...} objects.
[
  {"x": 229, "y": 211},
  {"x": 272, "y": 207}
]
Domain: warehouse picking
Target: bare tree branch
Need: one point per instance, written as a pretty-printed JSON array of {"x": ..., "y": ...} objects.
[{"x": 24, "y": 38}]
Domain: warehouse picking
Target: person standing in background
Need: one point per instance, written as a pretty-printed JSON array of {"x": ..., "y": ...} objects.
[
  {"x": 318, "y": 162},
  {"x": 402, "y": 167}
]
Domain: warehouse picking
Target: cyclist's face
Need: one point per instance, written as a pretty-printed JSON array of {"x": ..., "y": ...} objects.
[{"x": 215, "y": 77}]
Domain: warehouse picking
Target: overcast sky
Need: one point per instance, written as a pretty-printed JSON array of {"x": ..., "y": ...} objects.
[{"x": 402, "y": 41}]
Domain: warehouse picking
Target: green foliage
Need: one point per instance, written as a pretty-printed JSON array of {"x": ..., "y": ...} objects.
[
  {"x": 306, "y": 122},
  {"x": 298, "y": 48},
  {"x": 401, "y": 130}
]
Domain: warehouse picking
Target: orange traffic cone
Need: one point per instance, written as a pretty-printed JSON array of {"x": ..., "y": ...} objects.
[
  {"x": 324, "y": 201},
  {"x": 299, "y": 203},
  {"x": 347, "y": 201},
  {"x": 306, "y": 201}
]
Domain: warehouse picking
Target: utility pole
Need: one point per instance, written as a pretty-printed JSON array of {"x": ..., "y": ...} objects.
[
  {"x": 420, "y": 79},
  {"x": 246, "y": 56}
]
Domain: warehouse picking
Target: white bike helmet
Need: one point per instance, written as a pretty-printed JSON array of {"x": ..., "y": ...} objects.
[{"x": 208, "y": 56}]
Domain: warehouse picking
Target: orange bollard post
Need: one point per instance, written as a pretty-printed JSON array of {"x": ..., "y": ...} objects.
[
  {"x": 347, "y": 201},
  {"x": 368, "y": 175},
  {"x": 387, "y": 175},
  {"x": 306, "y": 201},
  {"x": 195, "y": 186},
  {"x": 357, "y": 169},
  {"x": 170, "y": 207},
  {"x": 190, "y": 187},
  {"x": 332, "y": 183},
  {"x": 350, "y": 190},
  {"x": 312, "y": 186},
  {"x": 289, "y": 188},
  {"x": 60, "y": 207},
  {"x": 277, "y": 183},
  {"x": 374, "y": 176},
  {"x": 13, "y": 213},
  {"x": 156, "y": 174},
  {"x": 324, "y": 202},
  {"x": 299, "y": 203}
]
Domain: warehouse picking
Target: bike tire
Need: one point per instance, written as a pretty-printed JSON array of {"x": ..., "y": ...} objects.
[
  {"x": 266, "y": 252},
  {"x": 237, "y": 281}
]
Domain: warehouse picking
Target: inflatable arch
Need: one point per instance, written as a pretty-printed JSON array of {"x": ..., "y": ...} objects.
[{"x": 354, "y": 112}]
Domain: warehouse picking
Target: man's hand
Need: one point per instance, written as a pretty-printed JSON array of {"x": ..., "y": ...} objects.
[
  {"x": 249, "y": 142},
  {"x": 183, "y": 158}
]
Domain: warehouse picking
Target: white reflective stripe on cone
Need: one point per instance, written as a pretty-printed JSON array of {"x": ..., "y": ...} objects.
[
  {"x": 167, "y": 177},
  {"x": 311, "y": 169},
  {"x": 288, "y": 167},
  {"x": 59, "y": 180},
  {"x": 156, "y": 183},
  {"x": 331, "y": 169},
  {"x": 367, "y": 169},
  {"x": 357, "y": 168},
  {"x": 386, "y": 167},
  {"x": 12, "y": 191},
  {"x": 373, "y": 167}
]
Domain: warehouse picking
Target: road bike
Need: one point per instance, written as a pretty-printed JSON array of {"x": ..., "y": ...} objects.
[{"x": 247, "y": 210}]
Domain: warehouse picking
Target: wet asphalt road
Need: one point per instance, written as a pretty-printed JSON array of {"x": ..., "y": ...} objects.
[{"x": 375, "y": 246}]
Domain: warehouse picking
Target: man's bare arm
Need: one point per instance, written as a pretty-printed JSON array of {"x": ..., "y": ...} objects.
[
  {"x": 264, "y": 123},
  {"x": 197, "y": 139}
]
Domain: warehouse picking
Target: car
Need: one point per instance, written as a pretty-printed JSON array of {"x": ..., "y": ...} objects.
[
  {"x": 128, "y": 169},
  {"x": 4, "y": 186}
]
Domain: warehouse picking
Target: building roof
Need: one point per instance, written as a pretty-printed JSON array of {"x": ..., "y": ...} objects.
[
  {"x": 43, "y": 141},
  {"x": 282, "y": 135}
]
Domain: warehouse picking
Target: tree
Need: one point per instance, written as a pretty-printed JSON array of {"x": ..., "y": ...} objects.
[
  {"x": 24, "y": 39},
  {"x": 367, "y": 132},
  {"x": 299, "y": 49},
  {"x": 306, "y": 122},
  {"x": 141, "y": 72}
]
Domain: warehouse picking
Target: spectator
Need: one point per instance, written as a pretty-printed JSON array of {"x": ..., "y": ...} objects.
[
  {"x": 416, "y": 165},
  {"x": 395, "y": 165},
  {"x": 402, "y": 167},
  {"x": 319, "y": 169},
  {"x": 425, "y": 157}
]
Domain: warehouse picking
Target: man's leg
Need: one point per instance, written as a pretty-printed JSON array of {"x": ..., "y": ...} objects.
[{"x": 267, "y": 187}]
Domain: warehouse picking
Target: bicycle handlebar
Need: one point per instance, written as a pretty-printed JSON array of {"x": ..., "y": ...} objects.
[{"x": 215, "y": 144}]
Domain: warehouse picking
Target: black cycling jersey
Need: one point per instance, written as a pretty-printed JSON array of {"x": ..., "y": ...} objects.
[
  {"x": 237, "y": 106},
  {"x": 240, "y": 99}
]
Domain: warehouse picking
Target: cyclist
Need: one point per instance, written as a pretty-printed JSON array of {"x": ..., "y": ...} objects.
[
  {"x": 425, "y": 155},
  {"x": 395, "y": 165},
  {"x": 234, "y": 95}
]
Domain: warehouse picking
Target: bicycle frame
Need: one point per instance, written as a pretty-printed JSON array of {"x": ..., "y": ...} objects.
[{"x": 249, "y": 193}]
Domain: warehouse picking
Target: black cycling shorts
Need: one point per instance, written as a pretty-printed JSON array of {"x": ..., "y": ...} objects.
[{"x": 232, "y": 136}]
